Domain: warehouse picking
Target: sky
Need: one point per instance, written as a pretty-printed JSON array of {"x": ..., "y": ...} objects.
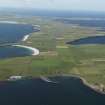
[{"x": 90, "y": 5}]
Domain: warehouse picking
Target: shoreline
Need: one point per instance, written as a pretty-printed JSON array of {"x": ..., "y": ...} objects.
[
  {"x": 84, "y": 82},
  {"x": 25, "y": 38},
  {"x": 97, "y": 89},
  {"x": 93, "y": 87},
  {"x": 35, "y": 51}
]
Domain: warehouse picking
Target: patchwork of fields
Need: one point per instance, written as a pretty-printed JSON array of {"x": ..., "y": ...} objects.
[{"x": 56, "y": 57}]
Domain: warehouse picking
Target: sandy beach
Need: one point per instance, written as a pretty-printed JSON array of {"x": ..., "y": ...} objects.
[
  {"x": 25, "y": 38},
  {"x": 35, "y": 51}
]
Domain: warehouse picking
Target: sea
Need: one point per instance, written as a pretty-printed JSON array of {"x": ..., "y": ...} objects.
[{"x": 12, "y": 33}]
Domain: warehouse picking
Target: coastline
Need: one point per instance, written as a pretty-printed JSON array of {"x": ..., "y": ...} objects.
[
  {"x": 84, "y": 82},
  {"x": 25, "y": 38},
  {"x": 35, "y": 51},
  {"x": 93, "y": 87},
  {"x": 97, "y": 89}
]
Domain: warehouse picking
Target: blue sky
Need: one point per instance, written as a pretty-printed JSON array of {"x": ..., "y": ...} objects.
[{"x": 94, "y": 5}]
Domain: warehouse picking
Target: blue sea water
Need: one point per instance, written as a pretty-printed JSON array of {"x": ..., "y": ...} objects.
[
  {"x": 12, "y": 51},
  {"x": 66, "y": 91},
  {"x": 14, "y": 33}
]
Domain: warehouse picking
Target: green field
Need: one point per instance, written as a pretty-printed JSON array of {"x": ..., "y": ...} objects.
[{"x": 57, "y": 58}]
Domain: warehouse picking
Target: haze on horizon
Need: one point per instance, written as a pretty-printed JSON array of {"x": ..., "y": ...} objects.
[{"x": 89, "y": 5}]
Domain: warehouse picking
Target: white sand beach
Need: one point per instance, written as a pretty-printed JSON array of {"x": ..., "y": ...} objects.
[
  {"x": 25, "y": 38},
  {"x": 35, "y": 51}
]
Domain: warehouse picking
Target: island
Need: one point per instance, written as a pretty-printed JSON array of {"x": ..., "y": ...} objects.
[{"x": 54, "y": 56}]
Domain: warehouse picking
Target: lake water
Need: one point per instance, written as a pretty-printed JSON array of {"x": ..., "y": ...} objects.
[
  {"x": 66, "y": 91},
  {"x": 89, "y": 40},
  {"x": 13, "y": 33}
]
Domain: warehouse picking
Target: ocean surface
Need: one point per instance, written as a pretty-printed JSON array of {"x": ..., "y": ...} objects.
[
  {"x": 13, "y": 33},
  {"x": 12, "y": 51},
  {"x": 65, "y": 91}
]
